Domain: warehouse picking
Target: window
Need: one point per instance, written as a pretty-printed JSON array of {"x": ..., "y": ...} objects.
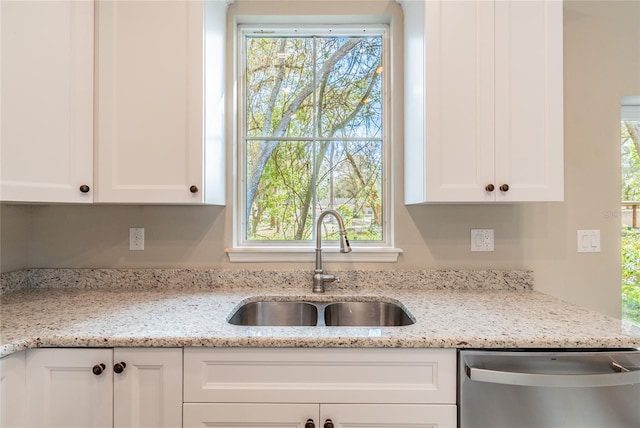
[
  {"x": 630, "y": 167},
  {"x": 312, "y": 133}
]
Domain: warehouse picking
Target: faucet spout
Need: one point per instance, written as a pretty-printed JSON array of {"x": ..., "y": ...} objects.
[{"x": 319, "y": 275}]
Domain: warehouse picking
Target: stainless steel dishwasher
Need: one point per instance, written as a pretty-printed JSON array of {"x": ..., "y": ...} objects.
[{"x": 529, "y": 389}]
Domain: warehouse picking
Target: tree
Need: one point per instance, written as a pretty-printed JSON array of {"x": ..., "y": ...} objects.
[
  {"x": 292, "y": 96},
  {"x": 631, "y": 275},
  {"x": 630, "y": 160},
  {"x": 631, "y": 237}
]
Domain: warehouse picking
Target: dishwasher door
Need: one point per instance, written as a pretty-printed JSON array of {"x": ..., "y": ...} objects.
[{"x": 522, "y": 389}]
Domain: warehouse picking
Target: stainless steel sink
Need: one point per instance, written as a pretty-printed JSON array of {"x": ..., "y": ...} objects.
[
  {"x": 276, "y": 313},
  {"x": 365, "y": 314},
  {"x": 331, "y": 314}
]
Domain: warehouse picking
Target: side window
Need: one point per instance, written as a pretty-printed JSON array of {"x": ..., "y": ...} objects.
[
  {"x": 630, "y": 191},
  {"x": 312, "y": 135}
]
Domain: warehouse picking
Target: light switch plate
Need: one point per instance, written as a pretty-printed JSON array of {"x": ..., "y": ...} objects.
[
  {"x": 482, "y": 240},
  {"x": 588, "y": 241}
]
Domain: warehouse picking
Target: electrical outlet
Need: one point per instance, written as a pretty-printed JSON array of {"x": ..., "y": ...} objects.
[
  {"x": 136, "y": 238},
  {"x": 482, "y": 240}
]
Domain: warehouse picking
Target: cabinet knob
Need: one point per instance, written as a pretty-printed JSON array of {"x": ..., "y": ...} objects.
[
  {"x": 504, "y": 188},
  {"x": 328, "y": 423},
  {"x": 309, "y": 424},
  {"x": 193, "y": 189},
  {"x": 490, "y": 188},
  {"x": 119, "y": 367},
  {"x": 84, "y": 188},
  {"x": 98, "y": 369}
]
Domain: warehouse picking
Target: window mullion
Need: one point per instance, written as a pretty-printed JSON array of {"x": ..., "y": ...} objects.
[{"x": 315, "y": 134}]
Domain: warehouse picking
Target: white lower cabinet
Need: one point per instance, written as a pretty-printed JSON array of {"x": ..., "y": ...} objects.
[
  {"x": 148, "y": 392},
  {"x": 316, "y": 416},
  {"x": 69, "y": 388},
  {"x": 229, "y": 387},
  {"x": 249, "y": 415},
  {"x": 138, "y": 387},
  {"x": 311, "y": 388},
  {"x": 388, "y": 415},
  {"x": 12, "y": 390}
]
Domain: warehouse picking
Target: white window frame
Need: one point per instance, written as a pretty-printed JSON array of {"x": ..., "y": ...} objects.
[
  {"x": 280, "y": 251},
  {"x": 630, "y": 108}
]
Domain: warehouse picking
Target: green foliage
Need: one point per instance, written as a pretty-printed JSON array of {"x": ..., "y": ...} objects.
[
  {"x": 630, "y": 191},
  {"x": 631, "y": 275},
  {"x": 313, "y": 136},
  {"x": 630, "y": 161}
]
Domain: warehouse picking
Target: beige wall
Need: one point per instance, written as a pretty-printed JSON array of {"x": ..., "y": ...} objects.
[
  {"x": 14, "y": 237},
  {"x": 602, "y": 63}
]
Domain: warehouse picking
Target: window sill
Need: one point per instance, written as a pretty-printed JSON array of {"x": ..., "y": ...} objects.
[{"x": 307, "y": 254}]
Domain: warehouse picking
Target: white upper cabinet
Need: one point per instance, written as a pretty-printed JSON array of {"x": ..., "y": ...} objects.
[
  {"x": 152, "y": 144},
  {"x": 46, "y": 101},
  {"x": 483, "y": 101}
]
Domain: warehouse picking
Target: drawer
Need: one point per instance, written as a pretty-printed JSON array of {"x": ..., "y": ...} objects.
[
  {"x": 313, "y": 375},
  {"x": 197, "y": 415}
]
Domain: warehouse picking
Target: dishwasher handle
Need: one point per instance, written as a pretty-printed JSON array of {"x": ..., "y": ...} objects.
[{"x": 623, "y": 376}]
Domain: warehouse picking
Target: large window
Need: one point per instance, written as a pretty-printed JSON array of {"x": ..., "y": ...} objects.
[
  {"x": 630, "y": 167},
  {"x": 312, "y": 134}
]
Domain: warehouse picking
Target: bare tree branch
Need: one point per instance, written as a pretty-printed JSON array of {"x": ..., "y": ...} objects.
[
  {"x": 634, "y": 134},
  {"x": 268, "y": 147}
]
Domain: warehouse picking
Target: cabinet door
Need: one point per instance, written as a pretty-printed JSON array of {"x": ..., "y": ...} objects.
[
  {"x": 12, "y": 390},
  {"x": 47, "y": 101},
  {"x": 388, "y": 415},
  {"x": 63, "y": 390},
  {"x": 449, "y": 96},
  {"x": 148, "y": 391},
  {"x": 150, "y": 98},
  {"x": 529, "y": 100},
  {"x": 237, "y": 415},
  {"x": 486, "y": 83}
]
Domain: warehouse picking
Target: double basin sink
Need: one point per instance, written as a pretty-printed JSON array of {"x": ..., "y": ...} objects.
[{"x": 330, "y": 314}]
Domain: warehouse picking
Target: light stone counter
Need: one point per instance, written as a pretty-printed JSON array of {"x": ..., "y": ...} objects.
[{"x": 455, "y": 312}]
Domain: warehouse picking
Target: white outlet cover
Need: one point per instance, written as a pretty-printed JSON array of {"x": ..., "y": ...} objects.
[
  {"x": 482, "y": 240},
  {"x": 136, "y": 238}
]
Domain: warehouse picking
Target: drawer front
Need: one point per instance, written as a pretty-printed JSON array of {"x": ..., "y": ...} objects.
[
  {"x": 313, "y": 375},
  {"x": 198, "y": 415},
  {"x": 260, "y": 415}
]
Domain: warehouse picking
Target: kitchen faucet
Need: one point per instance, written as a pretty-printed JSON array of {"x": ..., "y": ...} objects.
[{"x": 319, "y": 276}]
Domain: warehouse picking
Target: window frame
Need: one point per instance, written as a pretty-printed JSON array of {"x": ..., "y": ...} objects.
[{"x": 244, "y": 250}]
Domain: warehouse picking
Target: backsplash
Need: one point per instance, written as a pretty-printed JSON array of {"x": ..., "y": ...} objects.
[
  {"x": 14, "y": 281},
  {"x": 148, "y": 279}
]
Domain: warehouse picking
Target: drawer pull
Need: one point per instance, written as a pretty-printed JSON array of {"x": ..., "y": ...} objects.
[
  {"x": 328, "y": 423},
  {"x": 504, "y": 188},
  {"x": 310, "y": 424},
  {"x": 490, "y": 188},
  {"x": 98, "y": 369},
  {"x": 119, "y": 367}
]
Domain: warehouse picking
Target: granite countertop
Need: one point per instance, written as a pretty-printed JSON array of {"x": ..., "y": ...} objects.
[{"x": 177, "y": 316}]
